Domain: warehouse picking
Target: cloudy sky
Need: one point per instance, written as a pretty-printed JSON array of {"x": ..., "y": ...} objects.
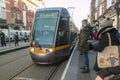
[{"x": 81, "y": 8}]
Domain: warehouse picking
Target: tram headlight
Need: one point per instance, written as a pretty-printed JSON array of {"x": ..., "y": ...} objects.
[
  {"x": 32, "y": 49},
  {"x": 49, "y": 50}
]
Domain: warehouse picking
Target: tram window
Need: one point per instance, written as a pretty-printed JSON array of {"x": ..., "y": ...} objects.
[
  {"x": 63, "y": 32},
  {"x": 45, "y": 26}
]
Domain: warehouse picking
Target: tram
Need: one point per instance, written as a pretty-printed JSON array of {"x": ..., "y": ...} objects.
[{"x": 51, "y": 40}]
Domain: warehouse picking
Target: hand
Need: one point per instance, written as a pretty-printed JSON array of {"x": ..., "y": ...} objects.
[
  {"x": 106, "y": 78},
  {"x": 93, "y": 42},
  {"x": 90, "y": 41},
  {"x": 109, "y": 77},
  {"x": 98, "y": 78}
]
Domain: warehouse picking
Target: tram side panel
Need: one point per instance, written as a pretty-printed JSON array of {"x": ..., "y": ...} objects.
[{"x": 64, "y": 36}]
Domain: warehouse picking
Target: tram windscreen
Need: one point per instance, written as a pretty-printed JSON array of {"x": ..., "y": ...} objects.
[{"x": 45, "y": 26}]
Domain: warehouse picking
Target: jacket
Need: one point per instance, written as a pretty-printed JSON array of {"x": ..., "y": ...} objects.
[
  {"x": 85, "y": 35},
  {"x": 102, "y": 37}
]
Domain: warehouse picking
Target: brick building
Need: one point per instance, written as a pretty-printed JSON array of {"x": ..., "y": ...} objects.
[
  {"x": 100, "y": 8},
  {"x": 19, "y": 13},
  {"x": 2, "y": 14}
]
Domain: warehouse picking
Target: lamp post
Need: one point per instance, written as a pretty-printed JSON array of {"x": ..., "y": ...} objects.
[
  {"x": 117, "y": 7},
  {"x": 9, "y": 34},
  {"x": 69, "y": 8}
]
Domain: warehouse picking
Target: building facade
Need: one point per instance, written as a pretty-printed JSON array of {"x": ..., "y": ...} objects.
[
  {"x": 100, "y": 8},
  {"x": 2, "y": 13},
  {"x": 18, "y": 14}
]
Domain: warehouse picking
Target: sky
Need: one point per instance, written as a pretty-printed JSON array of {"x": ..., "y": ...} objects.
[{"x": 81, "y": 8}]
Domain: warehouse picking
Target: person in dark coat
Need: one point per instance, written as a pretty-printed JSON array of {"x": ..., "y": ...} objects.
[
  {"x": 102, "y": 37},
  {"x": 83, "y": 46},
  {"x": 25, "y": 37},
  {"x": 16, "y": 38},
  {"x": 3, "y": 42}
]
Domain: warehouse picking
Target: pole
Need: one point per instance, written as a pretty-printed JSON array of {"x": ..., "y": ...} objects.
[
  {"x": 71, "y": 8},
  {"x": 72, "y": 12},
  {"x": 9, "y": 34}
]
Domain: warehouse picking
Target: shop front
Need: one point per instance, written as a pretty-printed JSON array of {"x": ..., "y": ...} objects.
[{"x": 3, "y": 23}]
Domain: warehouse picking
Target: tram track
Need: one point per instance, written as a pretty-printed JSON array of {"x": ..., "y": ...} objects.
[
  {"x": 53, "y": 72},
  {"x": 13, "y": 60},
  {"x": 15, "y": 78},
  {"x": 50, "y": 74},
  {"x": 19, "y": 66}
]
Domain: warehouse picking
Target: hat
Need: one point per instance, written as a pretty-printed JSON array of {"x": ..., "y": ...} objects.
[{"x": 106, "y": 22}]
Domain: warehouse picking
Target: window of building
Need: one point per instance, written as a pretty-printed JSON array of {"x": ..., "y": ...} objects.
[
  {"x": 31, "y": 19},
  {"x": 2, "y": 9},
  {"x": 96, "y": 15},
  {"x": 13, "y": 15},
  {"x": 3, "y": 1},
  {"x": 28, "y": 19},
  {"x": 15, "y": 4},
  {"x": 103, "y": 0},
  {"x": 100, "y": 10},
  {"x": 96, "y": 3},
  {"x": 18, "y": 16},
  {"x": 3, "y": 13},
  {"x": 24, "y": 7},
  {"x": 109, "y": 3}
]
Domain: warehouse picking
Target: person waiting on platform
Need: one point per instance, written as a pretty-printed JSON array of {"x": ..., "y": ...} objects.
[
  {"x": 85, "y": 34},
  {"x": 2, "y": 36},
  {"x": 102, "y": 37},
  {"x": 25, "y": 37},
  {"x": 16, "y": 38}
]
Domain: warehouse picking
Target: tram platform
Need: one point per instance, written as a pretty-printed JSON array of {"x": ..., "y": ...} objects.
[
  {"x": 11, "y": 47},
  {"x": 92, "y": 74},
  {"x": 73, "y": 71}
]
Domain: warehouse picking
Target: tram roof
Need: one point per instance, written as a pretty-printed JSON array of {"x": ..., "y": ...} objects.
[{"x": 52, "y": 8}]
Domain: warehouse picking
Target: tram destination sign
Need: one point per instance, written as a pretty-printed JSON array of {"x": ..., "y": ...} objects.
[{"x": 48, "y": 14}]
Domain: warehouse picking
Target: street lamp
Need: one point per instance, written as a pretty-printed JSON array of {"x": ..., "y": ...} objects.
[
  {"x": 117, "y": 7},
  {"x": 71, "y": 8}
]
